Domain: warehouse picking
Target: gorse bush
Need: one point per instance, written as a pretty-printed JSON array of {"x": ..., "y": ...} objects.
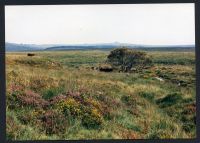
[
  {"x": 92, "y": 118},
  {"x": 70, "y": 107},
  {"x": 88, "y": 111},
  {"x": 125, "y": 59}
]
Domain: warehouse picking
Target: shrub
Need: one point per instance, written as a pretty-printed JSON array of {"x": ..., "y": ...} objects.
[
  {"x": 170, "y": 99},
  {"x": 93, "y": 103},
  {"x": 92, "y": 119},
  {"x": 53, "y": 122},
  {"x": 56, "y": 99},
  {"x": 13, "y": 91},
  {"x": 70, "y": 107},
  {"x": 30, "y": 98},
  {"x": 126, "y": 59},
  {"x": 89, "y": 111}
]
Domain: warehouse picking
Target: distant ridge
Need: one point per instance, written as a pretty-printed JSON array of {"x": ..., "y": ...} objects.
[
  {"x": 21, "y": 47},
  {"x": 13, "y": 47}
]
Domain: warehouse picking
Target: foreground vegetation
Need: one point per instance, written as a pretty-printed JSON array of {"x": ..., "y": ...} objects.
[{"x": 62, "y": 95}]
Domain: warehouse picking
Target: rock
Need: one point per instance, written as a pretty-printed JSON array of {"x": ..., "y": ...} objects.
[
  {"x": 105, "y": 68},
  {"x": 30, "y": 54},
  {"x": 158, "y": 78}
]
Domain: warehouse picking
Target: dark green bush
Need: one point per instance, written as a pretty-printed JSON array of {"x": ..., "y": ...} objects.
[
  {"x": 170, "y": 99},
  {"x": 125, "y": 59}
]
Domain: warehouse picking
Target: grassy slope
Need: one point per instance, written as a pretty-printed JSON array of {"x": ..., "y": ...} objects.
[{"x": 123, "y": 105}]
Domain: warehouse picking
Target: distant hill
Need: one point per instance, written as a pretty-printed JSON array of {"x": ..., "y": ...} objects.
[
  {"x": 12, "y": 47},
  {"x": 21, "y": 47},
  {"x": 109, "y": 46},
  {"x": 100, "y": 47}
]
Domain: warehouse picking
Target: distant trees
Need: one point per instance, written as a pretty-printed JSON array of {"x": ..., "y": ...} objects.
[{"x": 125, "y": 59}]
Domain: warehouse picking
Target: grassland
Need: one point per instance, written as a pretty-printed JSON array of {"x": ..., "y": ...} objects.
[{"x": 60, "y": 95}]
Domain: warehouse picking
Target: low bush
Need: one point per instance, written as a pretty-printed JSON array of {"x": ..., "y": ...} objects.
[
  {"x": 92, "y": 119},
  {"x": 30, "y": 98},
  {"x": 169, "y": 100},
  {"x": 70, "y": 107},
  {"x": 53, "y": 122},
  {"x": 126, "y": 59},
  {"x": 89, "y": 111}
]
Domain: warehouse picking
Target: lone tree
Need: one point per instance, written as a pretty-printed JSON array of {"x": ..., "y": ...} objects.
[{"x": 125, "y": 59}]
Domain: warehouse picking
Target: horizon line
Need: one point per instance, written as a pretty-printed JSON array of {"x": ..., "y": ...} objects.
[{"x": 102, "y": 43}]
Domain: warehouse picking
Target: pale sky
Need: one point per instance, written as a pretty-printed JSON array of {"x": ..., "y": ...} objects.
[{"x": 153, "y": 24}]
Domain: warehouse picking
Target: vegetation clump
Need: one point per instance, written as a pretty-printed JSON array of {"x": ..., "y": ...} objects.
[
  {"x": 53, "y": 122},
  {"x": 38, "y": 62},
  {"x": 170, "y": 99},
  {"x": 89, "y": 111},
  {"x": 183, "y": 110},
  {"x": 92, "y": 119},
  {"x": 30, "y": 98},
  {"x": 125, "y": 59}
]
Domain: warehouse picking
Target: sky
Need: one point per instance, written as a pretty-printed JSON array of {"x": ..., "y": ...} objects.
[{"x": 149, "y": 24}]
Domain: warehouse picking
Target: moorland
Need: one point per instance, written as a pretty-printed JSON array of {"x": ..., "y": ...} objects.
[{"x": 58, "y": 95}]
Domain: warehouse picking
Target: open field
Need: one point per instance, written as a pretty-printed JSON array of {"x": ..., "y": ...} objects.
[{"x": 60, "y": 95}]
